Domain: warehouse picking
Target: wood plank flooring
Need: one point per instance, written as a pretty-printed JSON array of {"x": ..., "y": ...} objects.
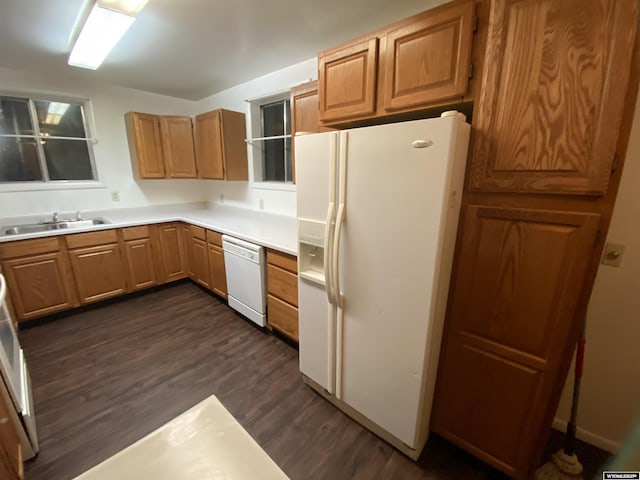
[{"x": 107, "y": 376}]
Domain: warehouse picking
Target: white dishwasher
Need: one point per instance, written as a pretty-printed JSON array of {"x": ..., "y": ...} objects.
[{"x": 244, "y": 263}]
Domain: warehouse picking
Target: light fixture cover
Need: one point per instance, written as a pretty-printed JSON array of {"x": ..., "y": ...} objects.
[
  {"x": 129, "y": 7},
  {"x": 102, "y": 30}
]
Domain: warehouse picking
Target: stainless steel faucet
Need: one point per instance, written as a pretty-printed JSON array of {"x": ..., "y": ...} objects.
[{"x": 55, "y": 217}]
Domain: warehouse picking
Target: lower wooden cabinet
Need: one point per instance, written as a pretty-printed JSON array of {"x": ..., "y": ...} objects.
[
  {"x": 171, "y": 252},
  {"x": 38, "y": 277},
  {"x": 201, "y": 263},
  {"x": 282, "y": 289},
  {"x": 218, "y": 272},
  {"x": 141, "y": 270},
  {"x": 99, "y": 272},
  {"x": 10, "y": 447}
]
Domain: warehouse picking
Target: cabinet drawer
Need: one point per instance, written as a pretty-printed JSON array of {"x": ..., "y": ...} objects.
[
  {"x": 23, "y": 248},
  {"x": 283, "y": 317},
  {"x": 90, "y": 239},
  {"x": 135, "y": 233},
  {"x": 198, "y": 232},
  {"x": 282, "y": 260},
  {"x": 282, "y": 284},
  {"x": 214, "y": 237}
]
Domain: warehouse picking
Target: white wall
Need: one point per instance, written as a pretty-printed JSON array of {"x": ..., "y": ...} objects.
[
  {"x": 110, "y": 103},
  {"x": 610, "y": 393},
  {"x": 248, "y": 194}
]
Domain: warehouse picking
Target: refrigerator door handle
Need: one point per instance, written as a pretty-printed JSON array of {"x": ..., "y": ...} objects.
[
  {"x": 328, "y": 245},
  {"x": 340, "y": 216}
]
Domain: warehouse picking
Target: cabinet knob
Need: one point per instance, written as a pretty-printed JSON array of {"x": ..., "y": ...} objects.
[{"x": 421, "y": 143}]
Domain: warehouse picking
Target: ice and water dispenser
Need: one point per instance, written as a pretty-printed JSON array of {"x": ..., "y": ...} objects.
[{"x": 311, "y": 250}]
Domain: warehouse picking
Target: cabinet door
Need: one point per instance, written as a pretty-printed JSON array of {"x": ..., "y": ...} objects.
[
  {"x": 146, "y": 144},
  {"x": 40, "y": 284},
  {"x": 177, "y": 143},
  {"x": 140, "y": 265},
  {"x": 552, "y": 100},
  {"x": 517, "y": 286},
  {"x": 283, "y": 317},
  {"x": 304, "y": 114},
  {"x": 200, "y": 264},
  {"x": 171, "y": 242},
  {"x": 99, "y": 272},
  {"x": 209, "y": 145},
  {"x": 427, "y": 59},
  {"x": 218, "y": 272},
  {"x": 347, "y": 80},
  {"x": 10, "y": 447}
]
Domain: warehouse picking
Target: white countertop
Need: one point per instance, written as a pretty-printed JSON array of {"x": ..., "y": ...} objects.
[{"x": 267, "y": 229}]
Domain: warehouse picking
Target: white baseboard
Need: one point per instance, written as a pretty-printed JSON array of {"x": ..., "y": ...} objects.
[{"x": 589, "y": 437}]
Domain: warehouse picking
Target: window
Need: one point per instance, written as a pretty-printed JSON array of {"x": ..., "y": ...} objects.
[
  {"x": 276, "y": 147},
  {"x": 270, "y": 142},
  {"x": 44, "y": 141}
]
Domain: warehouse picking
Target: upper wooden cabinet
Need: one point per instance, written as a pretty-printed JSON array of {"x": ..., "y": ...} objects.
[
  {"x": 145, "y": 144},
  {"x": 552, "y": 95},
  {"x": 304, "y": 113},
  {"x": 221, "y": 151},
  {"x": 347, "y": 77},
  {"x": 425, "y": 59},
  {"x": 178, "y": 148},
  {"x": 420, "y": 62},
  {"x": 161, "y": 146}
]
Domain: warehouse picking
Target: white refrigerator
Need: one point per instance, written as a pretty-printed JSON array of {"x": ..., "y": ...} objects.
[{"x": 378, "y": 211}]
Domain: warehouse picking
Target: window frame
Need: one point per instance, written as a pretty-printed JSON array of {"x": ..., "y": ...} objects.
[
  {"x": 255, "y": 132},
  {"x": 88, "y": 122}
]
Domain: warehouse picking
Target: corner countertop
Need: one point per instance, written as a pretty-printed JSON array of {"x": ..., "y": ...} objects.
[{"x": 267, "y": 229}]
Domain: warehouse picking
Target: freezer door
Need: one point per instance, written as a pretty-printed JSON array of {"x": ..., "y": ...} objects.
[{"x": 398, "y": 197}]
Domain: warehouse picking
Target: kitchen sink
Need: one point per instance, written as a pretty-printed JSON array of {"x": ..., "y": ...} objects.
[{"x": 48, "y": 226}]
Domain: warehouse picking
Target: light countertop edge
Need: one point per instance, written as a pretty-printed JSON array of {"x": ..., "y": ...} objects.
[{"x": 277, "y": 232}]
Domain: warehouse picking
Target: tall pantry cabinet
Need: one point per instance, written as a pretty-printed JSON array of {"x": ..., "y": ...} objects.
[{"x": 550, "y": 128}]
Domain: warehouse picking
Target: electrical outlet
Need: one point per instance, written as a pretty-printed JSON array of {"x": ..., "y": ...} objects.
[
  {"x": 222, "y": 198},
  {"x": 261, "y": 204},
  {"x": 115, "y": 196},
  {"x": 612, "y": 254}
]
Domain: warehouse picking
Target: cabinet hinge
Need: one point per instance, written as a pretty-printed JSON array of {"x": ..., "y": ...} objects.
[
  {"x": 614, "y": 163},
  {"x": 475, "y": 24},
  {"x": 470, "y": 71},
  {"x": 596, "y": 241}
]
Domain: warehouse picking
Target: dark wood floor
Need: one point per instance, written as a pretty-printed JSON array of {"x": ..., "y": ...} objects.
[{"x": 105, "y": 377}]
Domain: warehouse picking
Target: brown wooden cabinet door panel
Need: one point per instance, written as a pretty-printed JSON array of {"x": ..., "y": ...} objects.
[
  {"x": 177, "y": 143},
  {"x": 282, "y": 284},
  {"x": 200, "y": 264},
  {"x": 347, "y": 80},
  {"x": 518, "y": 281},
  {"x": 218, "y": 271},
  {"x": 10, "y": 447},
  {"x": 40, "y": 285},
  {"x": 283, "y": 317},
  {"x": 208, "y": 139},
  {"x": 172, "y": 253},
  {"x": 552, "y": 95},
  {"x": 99, "y": 272},
  {"x": 427, "y": 60},
  {"x": 146, "y": 141},
  {"x": 140, "y": 264}
]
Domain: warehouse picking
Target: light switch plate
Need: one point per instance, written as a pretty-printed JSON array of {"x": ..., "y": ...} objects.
[{"x": 612, "y": 255}]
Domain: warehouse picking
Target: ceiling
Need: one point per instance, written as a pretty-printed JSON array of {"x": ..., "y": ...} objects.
[{"x": 193, "y": 48}]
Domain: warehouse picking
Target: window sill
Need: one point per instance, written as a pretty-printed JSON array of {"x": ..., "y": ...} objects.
[
  {"x": 284, "y": 187},
  {"x": 49, "y": 186}
]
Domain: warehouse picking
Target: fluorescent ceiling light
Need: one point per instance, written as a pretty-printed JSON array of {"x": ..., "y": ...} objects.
[
  {"x": 55, "y": 112},
  {"x": 130, "y": 7},
  {"x": 100, "y": 33}
]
